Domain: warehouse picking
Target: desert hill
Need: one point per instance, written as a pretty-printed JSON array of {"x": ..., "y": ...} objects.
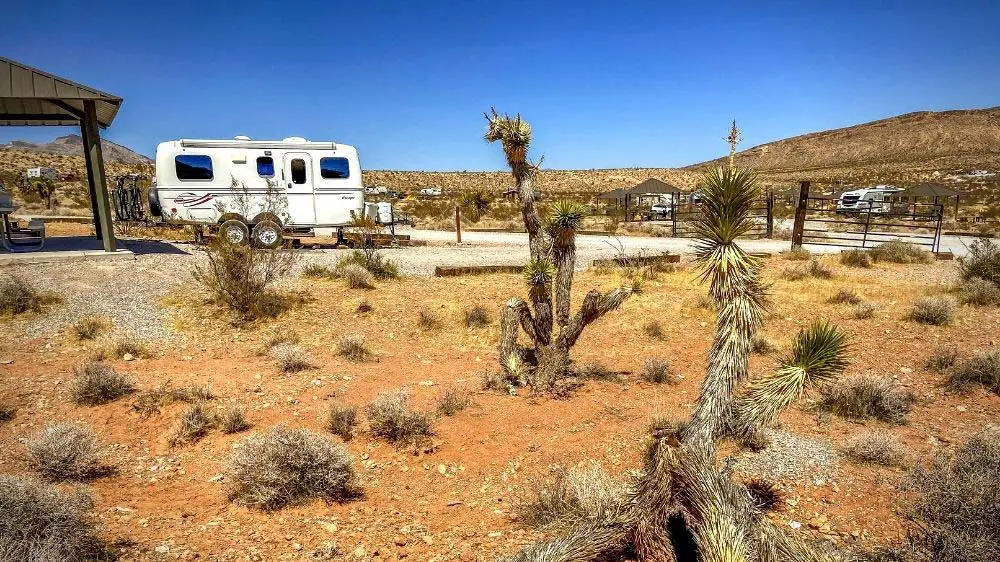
[{"x": 72, "y": 145}]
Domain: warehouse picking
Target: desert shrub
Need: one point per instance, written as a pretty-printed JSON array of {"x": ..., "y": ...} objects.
[
  {"x": 980, "y": 292},
  {"x": 281, "y": 337},
  {"x": 241, "y": 278},
  {"x": 150, "y": 402},
  {"x": 934, "y": 311},
  {"x": 354, "y": 349},
  {"x": 291, "y": 358},
  {"x": 819, "y": 270},
  {"x": 477, "y": 317},
  {"x": 864, "y": 397},
  {"x": 364, "y": 307},
  {"x": 96, "y": 382},
  {"x": 843, "y": 296},
  {"x": 500, "y": 381},
  {"x": 596, "y": 371},
  {"x": 232, "y": 418},
  {"x": 428, "y": 320},
  {"x": 341, "y": 420},
  {"x": 814, "y": 269},
  {"x": 856, "y": 258},
  {"x": 568, "y": 496},
  {"x": 956, "y": 511},
  {"x": 66, "y": 451},
  {"x": 797, "y": 253},
  {"x": 7, "y": 412},
  {"x": 982, "y": 262},
  {"x": 284, "y": 466},
  {"x": 765, "y": 494},
  {"x": 128, "y": 344},
  {"x": 983, "y": 368},
  {"x": 942, "y": 359},
  {"x": 705, "y": 302},
  {"x": 658, "y": 371},
  {"x": 316, "y": 271},
  {"x": 796, "y": 273},
  {"x": 654, "y": 330},
  {"x": 193, "y": 425},
  {"x": 897, "y": 251},
  {"x": 864, "y": 310},
  {"x": 40, "y": 522},
  {"x": 875, "y": 447},
  {"x": 91, "y": 327},
  {"x": 389, "y": 417},
  {"x": 453, "y": 401},
  {"x": 357, "y": 277},
  {"x": 377, "y": 264},
  {"x": 761, "y": 346},
  {"x": 17, "y": 296}
]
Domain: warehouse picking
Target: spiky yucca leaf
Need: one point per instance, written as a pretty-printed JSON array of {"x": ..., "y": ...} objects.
[
  {"x": 719, "y": 539},
  {"x": 514, "y": 133},
  {"x": 818, "y": 355},
  {"x": 538, "y": 272},
  {"x": 566, "y": 216}
]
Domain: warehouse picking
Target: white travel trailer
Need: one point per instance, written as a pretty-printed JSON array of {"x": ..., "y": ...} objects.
[
  {"x": 874, "y": 199},
  {"x": 254, "y": 191}
]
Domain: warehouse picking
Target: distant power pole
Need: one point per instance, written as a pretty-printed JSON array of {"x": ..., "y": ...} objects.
[{"x": 733, "y": 139}]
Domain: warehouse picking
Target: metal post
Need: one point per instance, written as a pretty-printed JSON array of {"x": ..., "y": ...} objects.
[
  {"x": 868, "y": 220},
  {"x": 937, "y": 231},
  {"x": 799, "y": 225},
  {"x": 458, "y": 224},
  {"x": 770, "y": 213},
  {"x": 673, "y": 214},
  {"x": 94, "y": 158}
]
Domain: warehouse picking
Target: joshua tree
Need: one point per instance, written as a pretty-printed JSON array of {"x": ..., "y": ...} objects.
[
  {"x": 552, "y": 243},
  {"x": 681, "y": 489}
]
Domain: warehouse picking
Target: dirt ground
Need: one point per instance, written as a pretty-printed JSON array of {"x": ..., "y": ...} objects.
[{"x": 453, "y": 500}]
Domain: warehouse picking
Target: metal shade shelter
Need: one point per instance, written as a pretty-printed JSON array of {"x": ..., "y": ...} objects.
[
  {"x": 652, "y": 185},
  {"x": 615, "y": 194},
  {"x": 31, "y": 97},
  {"x": 934, "y": 190}
]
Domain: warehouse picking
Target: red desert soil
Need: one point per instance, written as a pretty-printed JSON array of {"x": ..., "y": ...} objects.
[{"x": 453, "y": 501}]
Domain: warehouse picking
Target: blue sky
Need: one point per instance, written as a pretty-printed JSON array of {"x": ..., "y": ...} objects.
[{"x": 605, "y": 84}]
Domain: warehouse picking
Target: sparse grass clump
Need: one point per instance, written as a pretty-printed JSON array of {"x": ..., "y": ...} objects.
[
  {"x": 797, "y": 253},
  {"x": 91, "y": 327},
  {"x": 389, "y": 417},
  {"x": 584, "y": 492},
  {"x": 128, "y": 344},
  {"x": 955, "y": 509},
  {"x": 96, "y": 382},
  {"x": 765, "y": 494},
  {"x": 232, "y": 418},
  {"x": 192, "y": 426},
  {"x": 845, "y": 296},
  {"x": 66, "y": 451},
  {"x": 316, "y": 271},
  {"x": 428, "y": 320},
  {"x": 933, "y": 311},
  {"x": 354, "y": 349},
  {"x": 983, "y": 368},
  {"x": 654, "y": 330},
  {"x": 866, "y": 397},
  {"x": 453, "y": 401},
  {"x": 819, "y": 270},
  {"x": 377, "y": 264},
  {"x": 150, "y": 402},
  {"x": 596, "y": 371},
  {"x": 281, "y": 337},
  {"x": 942, "y": 359},
  {"x": 815, "y": 269},
  {"x": 498, "y": 381},
  {"x": 477, "y": 317},
  {"x": 980, "y": 292},
  {"x": 284, "y": 466},
  {"x": 356, "y": 277},
  {"x": 864, "y": 310},
  {"x": 658, "y": 371},
  {"x": 875, "y": 447},
  {"x": 761, "y": 346},
  {"x": 856, "y": 258},
  {"x": 291, "y": 358},
  {"x": 17, "y": 296},
  {"x": 40, "y": 522},
  {"x": 897, "y": 251},
  {"x": 341, "y": 420}
]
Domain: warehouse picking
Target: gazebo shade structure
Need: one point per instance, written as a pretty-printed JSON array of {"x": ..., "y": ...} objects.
[
  {"x": 933, "y": 190},
  {"x": 652, "y": 185},
  {"x": 613, "y": 194},
  {"x": 32, "y": 97}
]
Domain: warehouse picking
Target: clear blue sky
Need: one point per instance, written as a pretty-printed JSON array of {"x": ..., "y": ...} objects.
[{"x": 605, "y": 84}]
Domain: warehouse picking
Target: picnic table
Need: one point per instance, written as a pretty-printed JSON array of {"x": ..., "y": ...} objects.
[{"x": 12, "y": 236}]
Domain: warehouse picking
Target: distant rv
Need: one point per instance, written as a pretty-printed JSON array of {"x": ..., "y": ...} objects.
[
  {"x": 869, "y": 199},
  {"x": 255, "y": 191}
]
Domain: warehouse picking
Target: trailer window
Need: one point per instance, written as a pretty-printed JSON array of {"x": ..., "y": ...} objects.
[
  {"x": 298, "y": 171},
  {"x": 193, "y": 167},
  {"x": 265, "y": 166},
  {"x": 334, "y": 168}
]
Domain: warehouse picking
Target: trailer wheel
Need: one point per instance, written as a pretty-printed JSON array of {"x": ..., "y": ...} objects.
[
  {"x": 267, "y": 234},
  {"x": 235, "y": 232}
]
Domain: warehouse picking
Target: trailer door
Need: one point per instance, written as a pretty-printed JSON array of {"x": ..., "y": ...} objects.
[{"x": 299, "y": 186}]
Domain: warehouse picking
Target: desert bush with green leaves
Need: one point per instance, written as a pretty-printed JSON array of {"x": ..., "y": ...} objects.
[
  {"x": 981, "y": 262},
  {"x": 242, "y": 278},
  {"x": 40, "y": 522}
]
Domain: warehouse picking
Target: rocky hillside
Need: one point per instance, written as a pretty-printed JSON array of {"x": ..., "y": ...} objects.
[{"x": 72, "y": 145}]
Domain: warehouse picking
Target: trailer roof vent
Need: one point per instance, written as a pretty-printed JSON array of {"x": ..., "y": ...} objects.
[
  {"x": 241, "y": 138},
  {"x": 294, "y": 139}
]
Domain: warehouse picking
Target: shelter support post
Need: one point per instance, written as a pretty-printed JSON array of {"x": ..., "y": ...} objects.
[
  {"x": 95, "y": 176},
  {"x": 800, "y": 214}
]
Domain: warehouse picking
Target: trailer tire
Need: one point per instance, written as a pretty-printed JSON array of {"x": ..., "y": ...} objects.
[
  {"x": 267, "y": 234},
  {"x": 235, "y": 232},
  {"x": 155, "y": 208}
]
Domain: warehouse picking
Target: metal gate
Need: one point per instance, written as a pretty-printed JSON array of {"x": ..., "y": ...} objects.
[
  {"x": 869, "y": 223},
  {"x": 685, "y": 214}
]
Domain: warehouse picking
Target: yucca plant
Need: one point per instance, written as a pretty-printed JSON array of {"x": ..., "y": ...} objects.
[
  {"x": 552, "y": 243},
  {"x": 681, "y": 476}
]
